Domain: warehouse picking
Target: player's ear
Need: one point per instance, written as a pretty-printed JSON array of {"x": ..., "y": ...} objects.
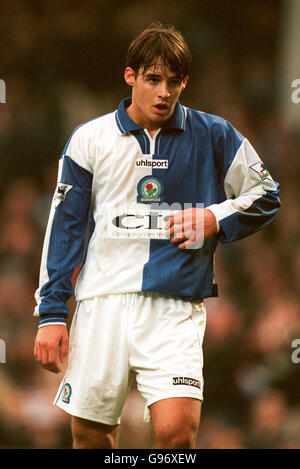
[
  {"x": 184, "y": 82},
  {"x": 129, "y": 76}
]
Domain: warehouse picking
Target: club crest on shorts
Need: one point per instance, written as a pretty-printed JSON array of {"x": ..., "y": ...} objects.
[
  {"x": 150, "y": 189},
  {"x": 66, "y": 393}
]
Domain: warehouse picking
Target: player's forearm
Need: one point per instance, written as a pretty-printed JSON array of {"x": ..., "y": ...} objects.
[
  {"x": 252, "y": 196},
  {"x": 246, "y": 214},
  {"x": 63, "y": 248}
]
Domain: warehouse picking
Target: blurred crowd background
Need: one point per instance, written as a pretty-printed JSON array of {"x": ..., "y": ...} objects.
[{"x": 62, "y": 62}]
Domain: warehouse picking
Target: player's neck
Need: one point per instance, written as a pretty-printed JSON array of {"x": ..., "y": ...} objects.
[
  {"x": 152, "y": 132},
  {"x": 140, "y": 119}
]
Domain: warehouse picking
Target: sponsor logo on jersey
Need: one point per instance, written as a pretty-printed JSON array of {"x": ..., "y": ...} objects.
[
  {"x": 148, "y": 163},
  {"x": 61, "y": 192},
  {"x": 66, "y": 393},
  {"x": 260, "y": 169},
  {"x": 147, "y": 222},
  {"x": 186, "y": 381},
  {"x": 149, "y": 190},
  {"x": 137, "y": 224}
]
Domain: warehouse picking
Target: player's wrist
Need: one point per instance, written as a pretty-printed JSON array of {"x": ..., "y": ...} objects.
[
  {"x": 214, "y": 216},
  {"x": 51, "y": 319}
]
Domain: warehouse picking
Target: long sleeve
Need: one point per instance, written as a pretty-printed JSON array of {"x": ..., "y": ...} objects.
[
  {"x": 252, "y": 197},
  {"x": 63, "y": 247}
]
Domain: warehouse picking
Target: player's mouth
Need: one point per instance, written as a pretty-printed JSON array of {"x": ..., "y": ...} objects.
[{"x": 161, "y": 108}]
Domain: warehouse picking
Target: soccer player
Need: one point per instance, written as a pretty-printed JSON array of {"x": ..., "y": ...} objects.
[{"x": 143, "y": 196}]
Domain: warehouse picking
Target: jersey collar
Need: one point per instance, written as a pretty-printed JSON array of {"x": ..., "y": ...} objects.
[{"x": 125, "y": 124}]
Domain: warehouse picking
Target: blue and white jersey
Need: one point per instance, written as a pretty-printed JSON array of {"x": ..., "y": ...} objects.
[{"x": 114, "y": 181}]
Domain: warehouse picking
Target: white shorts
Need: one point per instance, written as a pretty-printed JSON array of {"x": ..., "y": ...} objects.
[{"x": 156, "y": 337}]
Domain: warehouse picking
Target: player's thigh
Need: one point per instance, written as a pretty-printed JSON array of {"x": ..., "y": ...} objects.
[
  {"x": 88, "y": 434},
  {"x": 175, "y": 422}
]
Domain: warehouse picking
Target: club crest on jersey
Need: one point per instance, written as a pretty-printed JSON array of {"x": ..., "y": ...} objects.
[
  {"x": 66, "y": 393},
  {"x": 260, "y": 169},
  {"x": 150, "y": 189},
  {"x": 61, "y": 192}
]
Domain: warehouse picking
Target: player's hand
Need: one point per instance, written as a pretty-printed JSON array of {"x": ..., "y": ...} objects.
[
  {"x": 51, "y": 344},
  {"x": 190, "y": 226}
]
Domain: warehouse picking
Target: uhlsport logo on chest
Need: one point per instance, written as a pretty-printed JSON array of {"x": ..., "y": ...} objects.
[{"x": 146, "y": 162}]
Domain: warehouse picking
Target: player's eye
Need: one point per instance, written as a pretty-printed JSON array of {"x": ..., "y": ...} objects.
[
  {"x": 152, "y": 79},
  {"x": 175, "y": 82}
]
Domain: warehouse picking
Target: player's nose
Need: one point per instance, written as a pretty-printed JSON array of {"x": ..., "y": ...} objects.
[{"x": 164, "y": 90}]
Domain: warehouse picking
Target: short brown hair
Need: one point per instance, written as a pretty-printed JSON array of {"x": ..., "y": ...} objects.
[{"x": 160, "y": 41}]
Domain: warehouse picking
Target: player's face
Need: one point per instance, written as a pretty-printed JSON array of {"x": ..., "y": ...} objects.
[{"x": 154, "y": 95}]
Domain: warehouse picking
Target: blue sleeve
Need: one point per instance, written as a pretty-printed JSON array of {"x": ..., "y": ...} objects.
[
  {"x": 252, "y": 196},
  {"x": 244, "y": 223},
  {"x": 64, "y": 241}
]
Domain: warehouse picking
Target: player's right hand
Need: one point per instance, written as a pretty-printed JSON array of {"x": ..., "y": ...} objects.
[
  {"x": 51, "y": 344},
  {"x": 190, "y": 226}
]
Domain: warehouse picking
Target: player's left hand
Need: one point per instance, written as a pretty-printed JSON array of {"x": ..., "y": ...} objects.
[{"x": 190, "y": 226}]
